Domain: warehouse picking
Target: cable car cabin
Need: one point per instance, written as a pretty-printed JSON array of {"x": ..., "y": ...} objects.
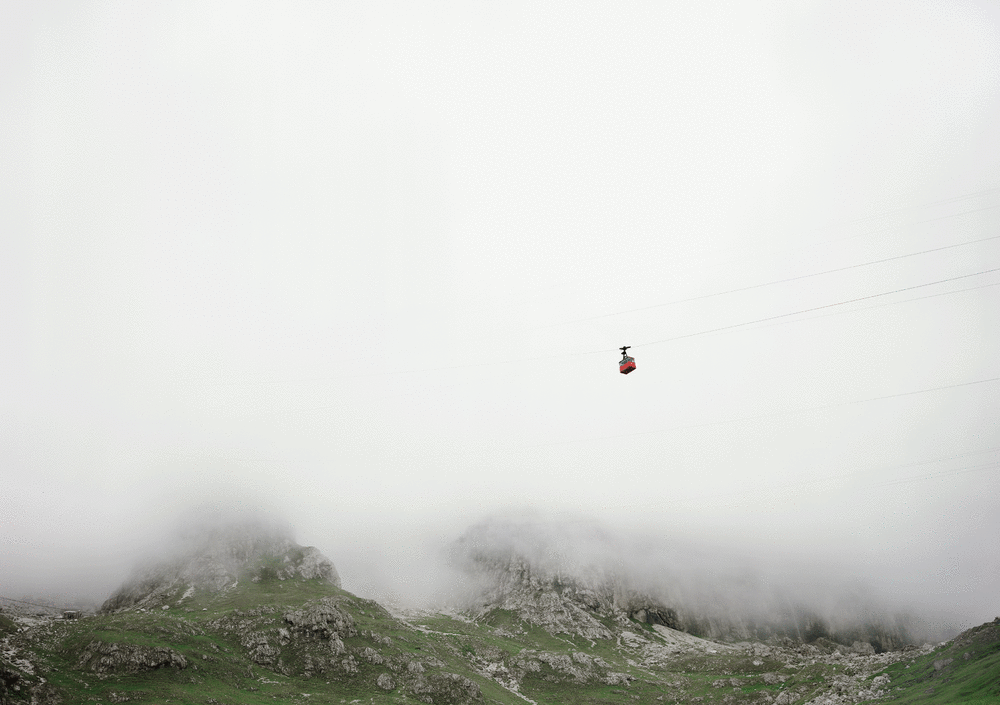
[{"x": 626, "y": 364}]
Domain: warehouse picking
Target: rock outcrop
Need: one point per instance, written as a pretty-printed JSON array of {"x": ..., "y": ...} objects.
[
  {"x": 322, "y": 620},
  {"x": 10, "y": 682},
  {"x": 103, "y": 657},
  {"x": 448, "y": 688},
  {"x": 320, "y": 639}
]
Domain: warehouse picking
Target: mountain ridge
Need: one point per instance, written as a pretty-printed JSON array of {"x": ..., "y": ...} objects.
[
  {"x": 538, "y": 631},
  {"x": 566, "y": 575}
]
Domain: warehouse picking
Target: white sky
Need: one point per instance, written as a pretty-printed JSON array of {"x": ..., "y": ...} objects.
[{"x": 366, "y": 262}]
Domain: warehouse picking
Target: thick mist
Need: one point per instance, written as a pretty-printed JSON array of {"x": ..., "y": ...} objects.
[
  {"x": 679, "y": 569},
  {"x": 423, "y": 562},
  {"x": 365, "y": 269}
]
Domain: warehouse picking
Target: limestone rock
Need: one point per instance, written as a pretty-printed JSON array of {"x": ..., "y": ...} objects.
[
  {"x": 309, "y": 564},
  {"x": 941, "y": 663},
  {"x": 618, "y": 679},
  {"x": 446, "y": 688},
  {"x": 863, "y": 648},
  {"x": 322, "y": 618},
  {"x": 385, "y": 682},
  {"x": 104, "y": 657},
  {"x": 46, "y": 694},
  {"x": 727, "y": 683},
  {"x": 8, "y": 680},
  {"x": 259, "y": 649}
]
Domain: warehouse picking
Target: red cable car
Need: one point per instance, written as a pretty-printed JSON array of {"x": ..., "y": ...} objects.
[{"x": 626, "y": 364}]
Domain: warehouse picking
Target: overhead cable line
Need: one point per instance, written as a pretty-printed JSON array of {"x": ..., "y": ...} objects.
[
  {"x": 704, "y": 332},
  {"x": 846, "y": 476},
  {"x": 771, "y": 283},
  {"x": 549, "y": 357},
  {"x": 603, "y": 351},
  {"x": 884, "y": 228},
  {"x": 815, "y": 308},
  {"x": 954, "y": 199},
  {"x": 773, "y": 414},
  {"x": 883, "y": 305}
]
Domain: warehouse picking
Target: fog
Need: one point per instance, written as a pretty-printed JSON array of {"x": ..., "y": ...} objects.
[{"x": 366, "y": 269}]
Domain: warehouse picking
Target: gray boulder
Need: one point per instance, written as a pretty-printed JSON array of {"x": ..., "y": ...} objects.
[
  {"x": 385, "y": 682},
  {"x": 446, "y": 689},
  {"x": 103, "y": 657},
  {"x": 863, "y": 648},
  {"x": 322, "y": 619}
]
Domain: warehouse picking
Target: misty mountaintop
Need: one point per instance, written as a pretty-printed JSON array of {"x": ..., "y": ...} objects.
[
  {"x": 568, "y": 575},
  {"x": 214, "y": 555},
  {"x": 235, "y": 611},
  {"x": 565, "y": 576}
]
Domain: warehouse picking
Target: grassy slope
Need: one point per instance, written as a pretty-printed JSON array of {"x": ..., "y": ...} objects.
[
  {"x": 220, "y": 670},
  {"x": 688, "y": 676},
  {"x": 7, "y": 626},
  {"x": 218, "y": 666},
  {"x": 972, "y": 676}
]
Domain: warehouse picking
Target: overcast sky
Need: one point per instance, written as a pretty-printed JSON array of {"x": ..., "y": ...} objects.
[{"x": 369, "y": 264}]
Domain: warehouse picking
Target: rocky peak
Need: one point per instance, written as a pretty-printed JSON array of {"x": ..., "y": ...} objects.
[
  {"x": 557, "y": 576},
  {"x": 578, "y": 578},
  {"x": 214, "y": 555}
]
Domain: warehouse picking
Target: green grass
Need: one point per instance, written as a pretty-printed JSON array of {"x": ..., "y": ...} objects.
[
  {"x": 198, "y": 629},
  {"x": 202, "y": 629},
  {"x": 7, "y": 626},
  {"x": 277, "y": 594},
  {"x": 974, "y": 680}
]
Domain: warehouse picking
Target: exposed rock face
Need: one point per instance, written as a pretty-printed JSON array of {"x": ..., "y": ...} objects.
[
  {"x": 310, "y": 565},
  {"x": 104, "y": 657},
  {"x": 46, "y": 694},
  {"x": 553, "y": 602},
  {"x": 578, "y": 579},
  {"x": 215, "y": 558},
  {"x": 665, "y": 617},
  {"x": 9, "y": 679},
  {"x": 309, "y": 641},
  {"x": 538, "y": 576},
  {"x": 322, "y": 619},
  {"x": 581, "y": 668},
  {"x": 978, "y": 636},
  {"x": 449, "y": 688},
  {"x": 862, "y": 647}
]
